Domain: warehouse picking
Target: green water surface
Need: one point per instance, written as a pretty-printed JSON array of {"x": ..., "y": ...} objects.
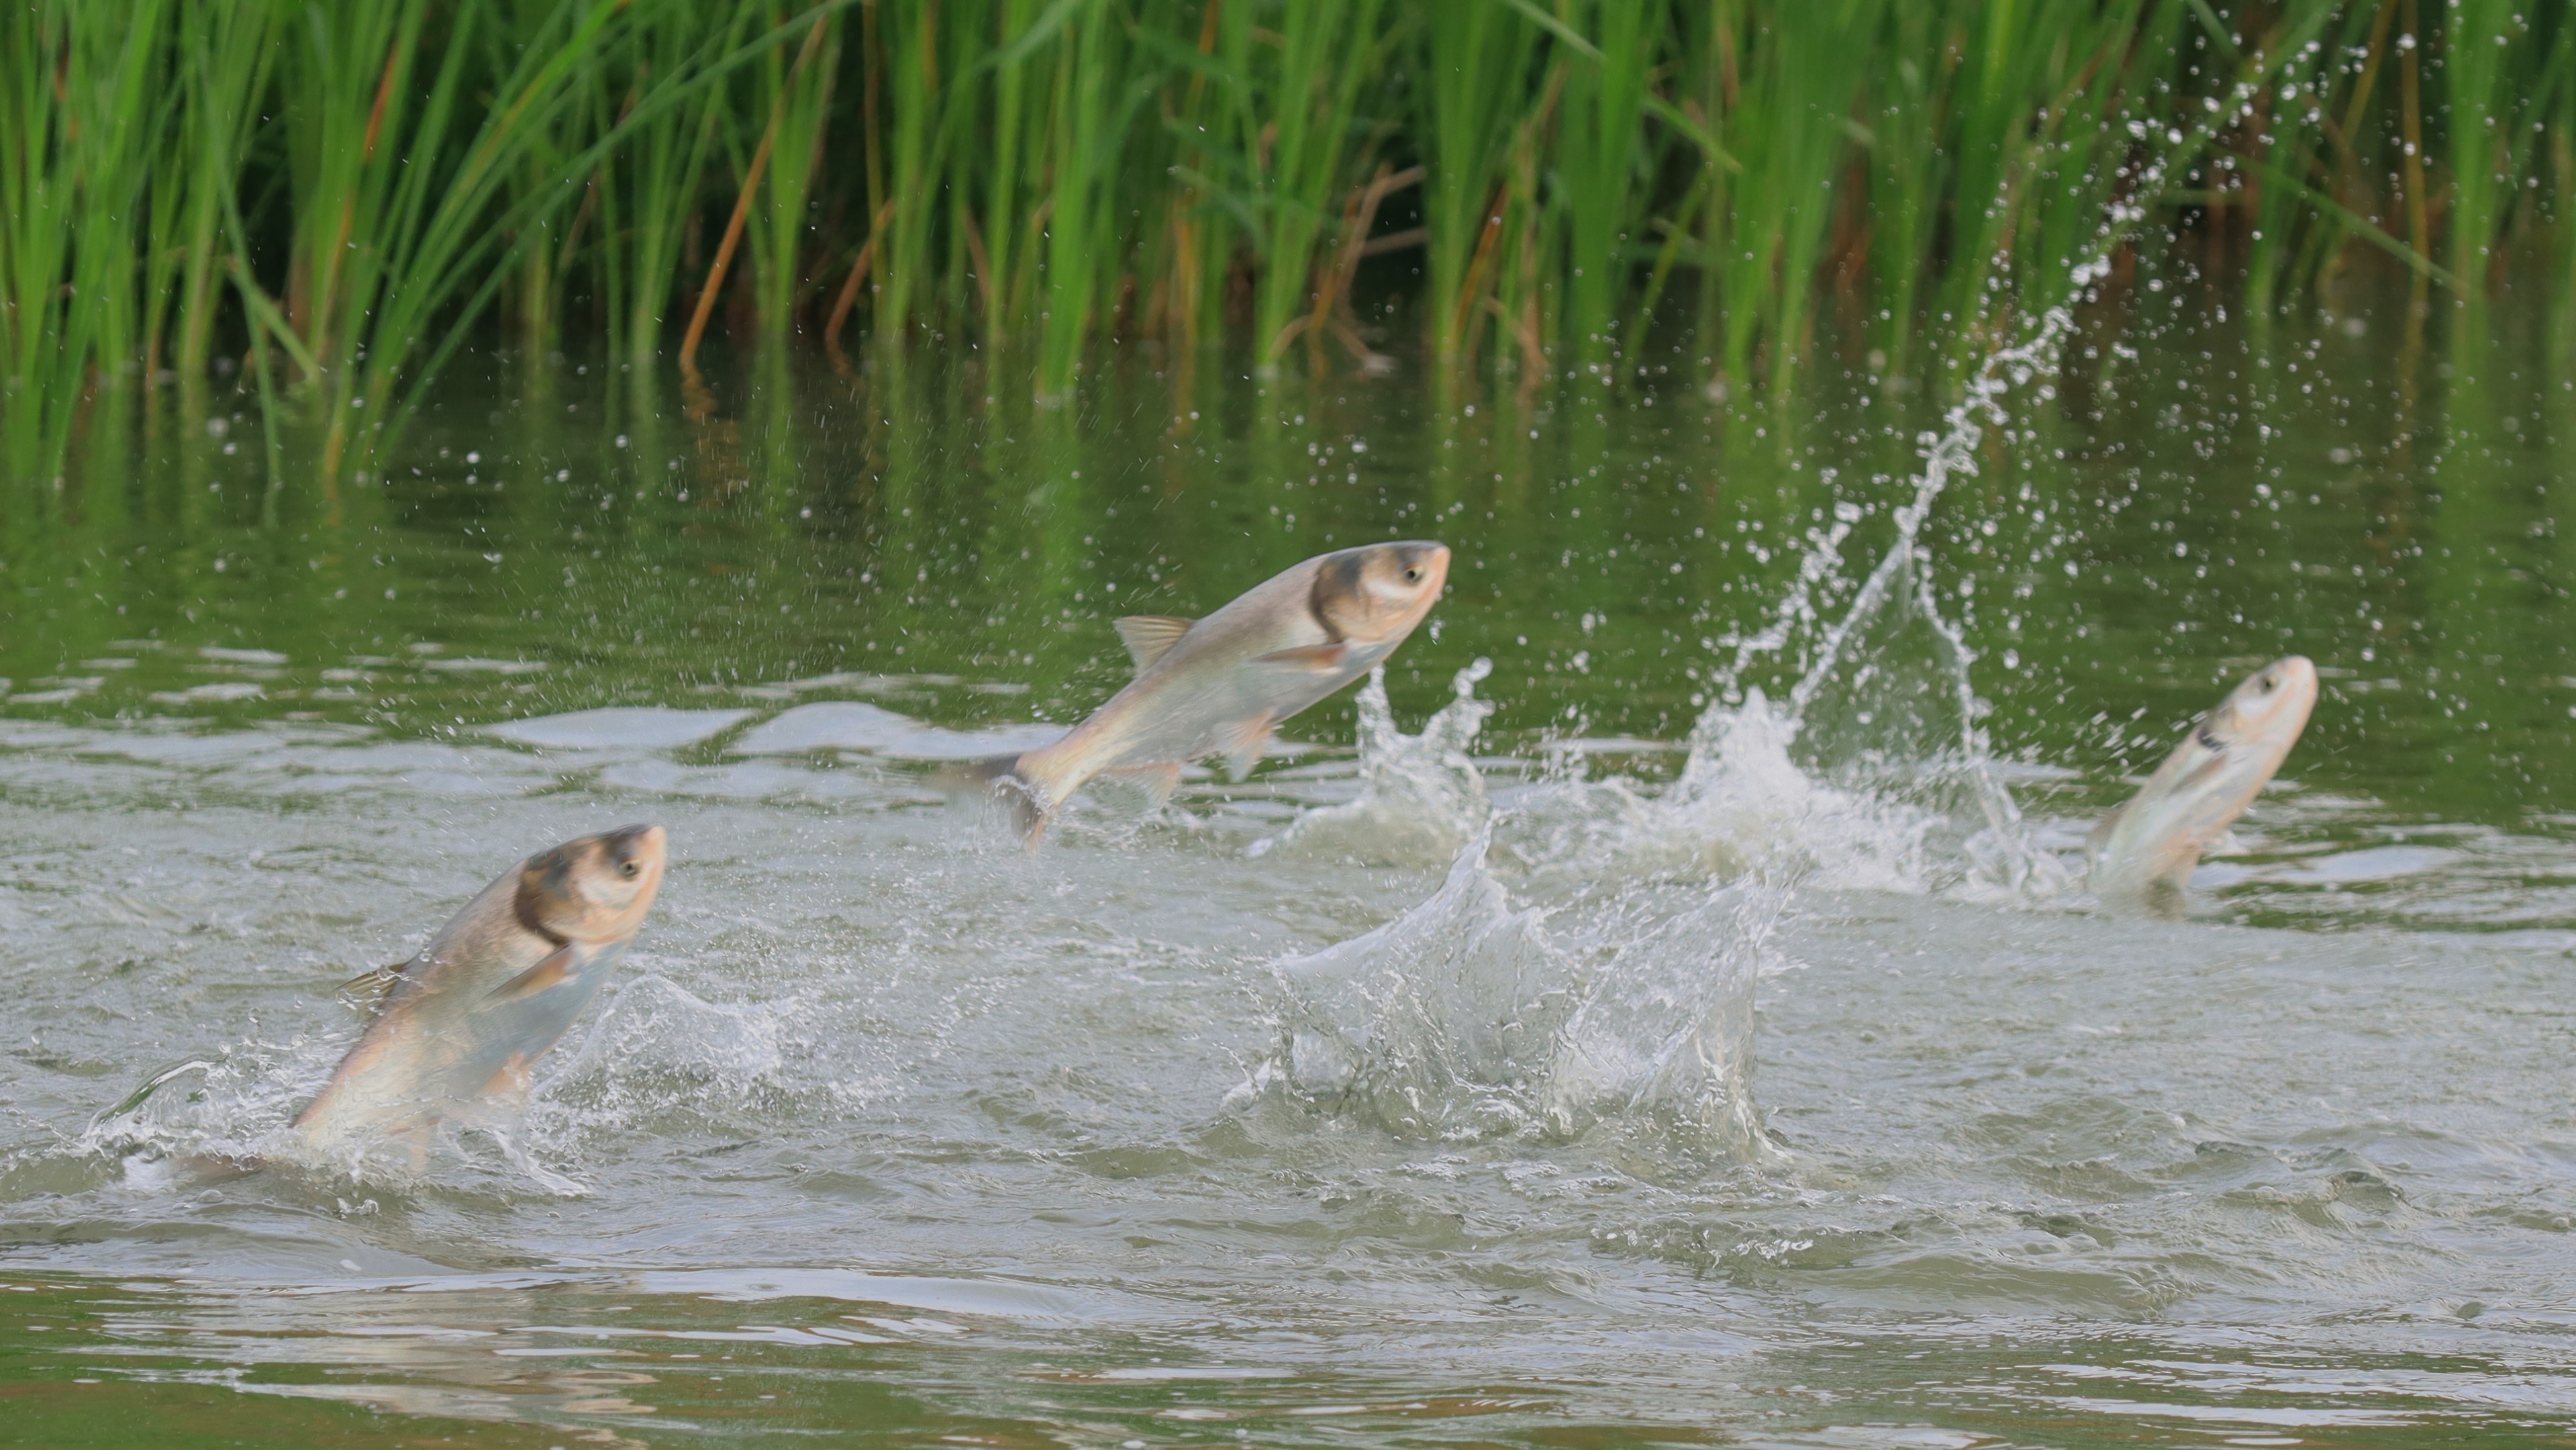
[{"x": 2193, "y": 498}]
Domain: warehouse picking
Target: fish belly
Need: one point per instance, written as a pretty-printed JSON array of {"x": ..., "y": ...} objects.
[
  {"x": 1212, "y": 718},
  {"x": 416, "y": 1068}
]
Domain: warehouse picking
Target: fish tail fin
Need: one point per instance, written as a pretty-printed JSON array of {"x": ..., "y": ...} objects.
[{"x": 1003, "y": 778}]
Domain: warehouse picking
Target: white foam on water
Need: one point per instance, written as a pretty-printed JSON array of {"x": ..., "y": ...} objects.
[
  {"x": 856, "y": 725},
  {"x": 221, "y": 692},
  {"x": 1744, "y": 802},
  {"x": 861, "y": 682},
  {"x": 979, "y": 1298},
  {"x": 1421, "y": 797},
  {"x": 1421, "y": 1022},
  {"x": 653, "y": 1050},
  {"x": 476, "y": 665},
  {"x": 619, "y": 727}
]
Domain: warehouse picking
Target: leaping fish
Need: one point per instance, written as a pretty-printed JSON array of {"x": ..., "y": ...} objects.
[
  {"x": 1220, "y": 685},
  {"x": 2142, "y": 854},
  {"x": 462, "y": 1023}
]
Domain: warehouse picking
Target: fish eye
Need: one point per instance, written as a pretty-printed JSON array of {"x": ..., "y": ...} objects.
[
  {"x": 628, "y": 869},
  {"x": 1413, "y": 574}
]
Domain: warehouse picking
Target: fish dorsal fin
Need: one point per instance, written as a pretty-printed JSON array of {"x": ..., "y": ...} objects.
[
  {"x": 365, "y": 993},
  {"x": 1151, "y": 636}
]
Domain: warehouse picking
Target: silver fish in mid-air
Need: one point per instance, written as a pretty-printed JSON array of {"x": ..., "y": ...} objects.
[
  {"x": 2143, "y": 853},
  {"x": 462, "y": 1023},
  {"x": 1220, "y": 685}
]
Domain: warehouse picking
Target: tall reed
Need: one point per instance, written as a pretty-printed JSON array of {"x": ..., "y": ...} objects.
[
  {"x": 1788, "y": 127},
  {"x": 1296, "y": 93},
  {"x": 1600, "y": 163},
  {"x": 652, "y": 183},
  {"x": 1474, "y": 88},
  {"x": 798, "y": 90},
  {"x": 83, "y": 111},
  {"x": 349, "y": 194}
]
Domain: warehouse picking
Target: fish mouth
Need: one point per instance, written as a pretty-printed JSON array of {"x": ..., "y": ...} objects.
[
  {"x": 2292, "y": 681},
  {"x": 1423, "y": 566},
  {"x": 2298, "y": 673},
  {"x": 624, "y": 874},
  {"x": 2269, "y": 710},
  {"x": 634, "y": 851},
  {"x": 1433, "y": 561}
]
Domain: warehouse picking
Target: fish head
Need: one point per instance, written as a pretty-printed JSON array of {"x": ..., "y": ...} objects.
[
  {"x": 1379, "y": 592},
  {"x": 2267, "y": 712},
  {"x": 595, "y": 889}
]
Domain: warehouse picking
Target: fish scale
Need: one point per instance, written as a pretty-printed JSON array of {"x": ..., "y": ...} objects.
[
  {"x": 2143, "y": 853},
  {"x": 1221, "y": 685},
  {"x": 462, "y": 1023}
]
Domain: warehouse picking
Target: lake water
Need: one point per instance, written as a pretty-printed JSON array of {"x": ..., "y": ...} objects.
[{"x": 1617, "y": 1066}]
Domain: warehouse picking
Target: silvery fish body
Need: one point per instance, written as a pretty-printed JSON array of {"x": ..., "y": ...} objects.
[
  {"x": 463, "y": 1022},
  {"x": 1220, "y": 685},
  {"x": 2142, "y": 854}
]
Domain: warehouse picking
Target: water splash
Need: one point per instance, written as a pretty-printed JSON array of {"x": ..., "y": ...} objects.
[
  {"x": 1665, "y": 1039},
  {"x": 1901, "y": 584},
  {"x": 1471, "y": 1017},
  {"x": 1742, "y": 808},
  {"x": 232, "y": 1107},
  {"x": 1423, "y": 1022},
  {"x": 1421, "y": 797},
  {"x": 2000, "y": 857},
  {"x": 655, "y": 1051},
  {"x": 661, "y": 1058},
  {"x": 1758, "y": 794},
  {"x": 1749, "y": 808}
]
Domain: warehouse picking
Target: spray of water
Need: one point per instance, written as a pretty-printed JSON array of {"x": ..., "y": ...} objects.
[
  {"x": 1473, "y": 1017},
  {"x": 658, "y": 1054},
  {"x": 654, "y": 1053},
  {"x": 2001, "y": 856},
  {"x": 1421, "y": 797},
  {"x": 1903, "y": 577},
  {"x": 1470, "y": 1015}
]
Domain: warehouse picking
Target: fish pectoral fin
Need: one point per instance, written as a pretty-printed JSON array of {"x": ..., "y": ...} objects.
[
  {"x": 365, "y": 993},
  {"x": 1309, "y": 656},
  {"x": 1157, "y": 780},
  {"x": 510, "y": 1084},
  {"x": 2201, "y": 773},
  {"x": 1149, "y": 637},
  {"x": 557, "y": 969},
  {"x": 1243, "y": 750}
]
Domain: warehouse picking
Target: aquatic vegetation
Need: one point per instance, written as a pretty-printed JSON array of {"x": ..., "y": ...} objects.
[
  {"x": 1550, "y": 189},
  {"x": 1603, "y": 1106}
]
